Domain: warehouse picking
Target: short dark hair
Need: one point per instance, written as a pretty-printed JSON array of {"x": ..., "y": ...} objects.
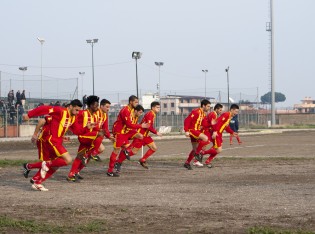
[
  {"x": 204, "y": 102},
  {"x": 92, "y": 99},
  {"x": 234, "y": 106},
  {"x": 104, "y": 102},
  {"x": 132, "y": 98},
  {"x": 139, "y": 108},
  {"x": 154, "y": 104},
  {"x": 76, "y": 102},
  {"x": 218, "y": 106}
]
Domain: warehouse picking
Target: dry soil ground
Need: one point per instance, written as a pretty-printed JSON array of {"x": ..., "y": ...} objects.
[{"x": 269, "y": 181}]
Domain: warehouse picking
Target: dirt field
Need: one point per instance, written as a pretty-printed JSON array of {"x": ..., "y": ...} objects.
[{"x": 269, "y": 181}]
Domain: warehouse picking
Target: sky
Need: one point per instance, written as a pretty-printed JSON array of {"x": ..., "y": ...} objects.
[{"x": 188, "y": 36}]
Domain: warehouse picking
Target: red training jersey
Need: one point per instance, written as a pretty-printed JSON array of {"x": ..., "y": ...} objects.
[
  {"x": 209, "y": 121},
  {"x": 149, "y": 118},
  {"x": 61, "y": 120},
  {"x": 125, "y": 121},
  {"x": 102, "y": 119},
  {"x": 194, "y": 120},
  {"x": 223, "y": 123}
]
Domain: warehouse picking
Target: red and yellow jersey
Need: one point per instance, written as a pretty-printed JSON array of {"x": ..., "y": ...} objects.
[
  {"x": 223, "y": 123},
  {"x": 85, "y": 117},
  {"x": 102, "y": 119},
  {"x": 194, "y": 120},
  {"x": 209, "y": 121},
  {"x": 149, "y": 118},
  {"x": 125, "y": 121},
  {"x": 61, "y": 121}
]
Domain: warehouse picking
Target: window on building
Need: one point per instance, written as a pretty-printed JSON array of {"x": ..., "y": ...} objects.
[
  {"x": 172, "y": 104},
  {"x": 165, "y": 105}
]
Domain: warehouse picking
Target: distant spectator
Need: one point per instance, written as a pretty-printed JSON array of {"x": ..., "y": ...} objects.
[
  {"x": 11, "y": 97},
  {"x": 23, "y": 98},
  {"x": 20, "y": 112},
  {"x": 18, "y": 96},
  {"x": 12, "y": 114},
  {"x": 57, "y": 103},
  {"x": 234, "y": 127}
]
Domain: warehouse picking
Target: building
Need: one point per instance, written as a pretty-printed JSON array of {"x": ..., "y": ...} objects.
[
  {"x": 181, "y": 104},
  {"x": 307, "y": 106}
]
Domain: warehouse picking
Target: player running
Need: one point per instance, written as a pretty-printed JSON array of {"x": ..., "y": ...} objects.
[
  {"x": 207, "y": 125},
  {"x": 60, "y": 120},
  {"x": 147, "y": 140},
  {"x": 217, "y": 131},
  {"x": 123, "y": 130},
  {"x": 192, "y": 128}
]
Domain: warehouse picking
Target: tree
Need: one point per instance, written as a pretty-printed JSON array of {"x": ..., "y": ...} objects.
[{"x": 279, "y": 97}]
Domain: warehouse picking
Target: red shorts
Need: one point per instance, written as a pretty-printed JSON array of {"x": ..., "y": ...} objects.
[
  {"x": 138, "y": 143},
  {"x": 87, "y": 141},
  {"x": 218, "y": 141},
  {"x": 55, "y": 147},
  {"x": 43, "y": 153},
  {"x": 194, "y": 135},
  {"x": 123, "y": 139}
]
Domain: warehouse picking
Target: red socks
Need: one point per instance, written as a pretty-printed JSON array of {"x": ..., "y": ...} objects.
[
  {"x": 112, "y": 161},
  {"x": 190, "y": 157},
  {"x": 201, "y": 145},
  {"x": 34, "y": 165},
  {"x": 147, "y": 155},
  {"x": 75, "y": 166},
  {"x": 58, "y": 162},
  {"x": 212, "y": 153}
]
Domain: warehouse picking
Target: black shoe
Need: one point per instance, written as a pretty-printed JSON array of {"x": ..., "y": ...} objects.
[
  {"x": 117, "y": 167},
  {"x": 188, "y": 166},
  {"x": 198, "y": 157},
  {"x": 78, "y": 176},
  {"x": 112, "y": 174},
  {"x": 72, "y": 179},
  {"x": 96, "y": 158},
  {"x": 84, "y": 161},
  {"x": 209, "y": 165},
  {"x": 126, "y": 154},
  {"x": 26, "y": 171},
  {"x": 144, "y": 164}
]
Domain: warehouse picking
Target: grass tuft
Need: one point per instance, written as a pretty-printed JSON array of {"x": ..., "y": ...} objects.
[
  {"x": 269, "y": 230},
  {"x": 32, "y": 226}
]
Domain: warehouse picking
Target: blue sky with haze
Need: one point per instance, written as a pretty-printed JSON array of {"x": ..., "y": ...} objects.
[{"x": 186, "y": 35}]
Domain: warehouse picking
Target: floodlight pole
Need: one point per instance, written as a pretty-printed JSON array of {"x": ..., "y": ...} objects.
[
  {"x": 136, "y": 55},
  {"x": 92, "y": 42},
  {"x": 23, "y": 69},
  {"x": 41, "y": 40},
  {"x": 205, "y": 71},
  {"x": 228, "y": 85},
  {"x": 82, "y": 74},
  {"x": 159, "y": 64}
]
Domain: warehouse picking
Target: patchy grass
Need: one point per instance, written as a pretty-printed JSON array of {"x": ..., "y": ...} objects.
[
  {"x": 32, "y": 226},
  {"x": 9, "y": 162},
  {"x": 268, "y": 230}
]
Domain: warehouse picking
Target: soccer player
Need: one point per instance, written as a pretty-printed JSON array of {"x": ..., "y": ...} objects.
[
  {"x": 234, "y": 127},
  {"x": 123, "y": 130},
  {"x": 87, "y": 140},
  {"x": 60, "y": 121},
  {"x": 192, "y": 128},
  {"x": 137, "y": 143},
  {"x": 207, "y": 124},
  {"x": 217, "y": 131}
]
